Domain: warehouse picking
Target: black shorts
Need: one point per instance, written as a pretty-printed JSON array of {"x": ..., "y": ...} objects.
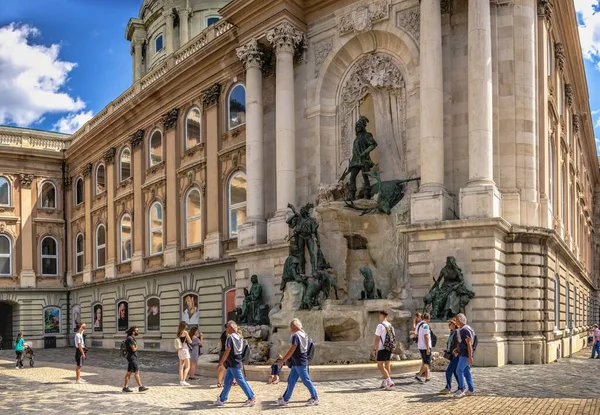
[
  {"x": 132, "y": 365},
  {"x": 426, "y": 358},
  {"x": 384, "y": 355},
  {"x": 78, "y": 358}
]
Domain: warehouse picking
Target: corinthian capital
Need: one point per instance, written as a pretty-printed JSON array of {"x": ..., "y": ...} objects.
[
  {"x": 250, "y": 54},
  {"x": 285, "y": 37}
]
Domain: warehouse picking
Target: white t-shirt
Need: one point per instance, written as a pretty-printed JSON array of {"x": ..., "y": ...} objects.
[
  {"x": 381, "y": 332},
  {"x": 79, "y": 340},
  {"x": 422, "y": 330}
]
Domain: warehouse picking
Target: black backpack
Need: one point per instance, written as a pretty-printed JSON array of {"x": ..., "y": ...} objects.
[
  {"x": 246, "y": 352},
  {"x": 433, "y": 338},
  {"x": 123, "y": 352}
]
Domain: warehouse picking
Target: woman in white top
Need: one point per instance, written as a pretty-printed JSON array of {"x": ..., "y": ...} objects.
[{"x": 183, "y": 353}]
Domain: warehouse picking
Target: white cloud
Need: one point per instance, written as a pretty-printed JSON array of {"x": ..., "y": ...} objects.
[
  {"x": 72, "y": 122},
  {"x": 589, "y": 31},
  {"x": 31, "y": 78}
]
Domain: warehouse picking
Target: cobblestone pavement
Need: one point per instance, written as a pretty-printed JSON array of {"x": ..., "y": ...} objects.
[{"x": 567, "y": 387}]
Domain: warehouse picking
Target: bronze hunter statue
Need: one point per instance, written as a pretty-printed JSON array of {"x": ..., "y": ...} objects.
[
  {"x": 449, "y": 294},
  {"x": 370, "y": 292},
  {"x": 305, "y": 235},
  {"x": 361, "y": 161}
]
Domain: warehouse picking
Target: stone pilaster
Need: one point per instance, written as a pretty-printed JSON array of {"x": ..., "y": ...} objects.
[
  {"x": 254, "y": 230},
  {"x": 170, "y": 257},
  {"x": 184, "y": 26},
  {"x": 481, "y": 198},
  {"x": 136, "y": 50},
  {"x": 27, "y": 276},
  {"x": 284, "y": 38},
  {"x": 137, "y": 219},
  {"x": 432, "y": 202},
  {"x": 89, "y": 236},
  {"x": 110, "y": 270},
  {"x": 169, "y": 19}
]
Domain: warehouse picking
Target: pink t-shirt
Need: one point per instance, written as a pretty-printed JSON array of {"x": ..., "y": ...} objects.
[{"x": 597, "y": 335}]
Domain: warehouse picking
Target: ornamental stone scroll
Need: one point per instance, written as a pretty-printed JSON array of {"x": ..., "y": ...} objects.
[
  {"x": 137, "y": 138},
  {"x": 25, "y": 180},
  {"x": 210, "y": 96},
  {"x": 251, "y": 54},
  {"x": 169, "y": 120}
]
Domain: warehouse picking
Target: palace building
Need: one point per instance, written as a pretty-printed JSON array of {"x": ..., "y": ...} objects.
[{"x": 162, "y": 206}]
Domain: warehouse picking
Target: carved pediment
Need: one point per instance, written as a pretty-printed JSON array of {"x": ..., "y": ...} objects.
[{"x": 362, "y": 18}]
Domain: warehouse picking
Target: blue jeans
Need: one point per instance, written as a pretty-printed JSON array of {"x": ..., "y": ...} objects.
[
  {"x": 235, "y": 372},
  {"x": 451, "y": 370},
  {"x": 302, "y": 373},
  {"x": 596, "y": 349},
  {"x": 463, "y": 371}
]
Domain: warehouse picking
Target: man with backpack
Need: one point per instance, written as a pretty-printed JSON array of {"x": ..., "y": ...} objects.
[
  {"x": 424, "y": 343},
  {"x": 300, "y": 354},
  {"x": 384, "y": 345},
  {"x": 129, "y": 349},
  {"x": 467, "y": 343},
  {"x": 233, "y": 360}
]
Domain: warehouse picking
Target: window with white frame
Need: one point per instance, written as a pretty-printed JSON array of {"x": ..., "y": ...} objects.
[
  {"x": 49, "y": 256},
  {"x": 236, "y": 203},
  {"x": 125, "y": 165},
  {"x": 211, "y": 20},
  {"x": 4, "y": 191},
  {"x": 567, "y": 305},
  {"x": 556, "y": 303},
  {"x": 125, "y": 238},
  {"x": 100, "y": 246},
  {"x": 192, "y": 128},
  {"x": 193, "y": 218},
  {"x": 48, "y": 195},
  {"x": 79, "y": 191},
  {"x": 550, "y": 57},
  {"x": 236, "y": 114},
  {"x": 5, "y": 255},
  {"x": 551, "y": 180},
  {"x": 79, "y": 251},
  {"x": 155, "y": 221},
  {"x": 156, "y": 148},
  {"x": 158, "y": 43},
  {"x": 100, "y": 179}
]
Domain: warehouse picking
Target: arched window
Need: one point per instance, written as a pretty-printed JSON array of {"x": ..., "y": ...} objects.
[
  {"x": 192, "y": 128},
  {"x": 5, "y": 255},
  {"x": 100, "y": 246},
  {"x": 4, "y": 191},
  {"x": 556, "y": 303},
  {"x": 193, "y": 217},
  {"x": 156, "y": 148},
  {"x": 125, "y": 165},
  {"x": 49, "y": 256},
  {"x": 236, "y": 115},
  {"x": 211, "y": 20},
  {"x": 236, "y": 202},
  {"x": 48, "y": 195},
  {"x": 79, "y": 250},
  {"x": 100, "y": 179},
  {"x": 125, "y": 238},
  {"x": 79, "y": 191},
  {"x": 156, "y": 228}
]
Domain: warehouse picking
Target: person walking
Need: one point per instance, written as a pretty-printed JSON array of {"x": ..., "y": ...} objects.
[
  {"x": 183, "y": 353},
  {"x": 19, "y": 345},
  {"x": 220, "y": 368},
  {"x": 595, "y": 342},
  {"x": 298, "y": 353},
  {"x": 424, "y": 344},
  {"x": 451, "y": 345},
  {"x": 383, "y": 356},
  {"x": 132, "y": 362},
  {"x": 464, "y": 351},
  {"x": 79, "y": 353},
  {"x": 195, "y": 352},
  {"x": 232, "y": 359}
]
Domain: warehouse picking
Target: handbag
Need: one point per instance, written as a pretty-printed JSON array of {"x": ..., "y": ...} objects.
[
  {"x": 447, "y": 355},
  {"x": 177, "y": 344}
]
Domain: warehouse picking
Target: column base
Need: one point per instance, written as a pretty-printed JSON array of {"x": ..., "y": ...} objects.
[
  {"x": 212, "y": 246},
  {"x": 87, "y": 275},
  {"x": 110, "y": 270},
  {"x": 137, "y": 262},
  {"x": 480, "y": 201},
  {"x": 431, "y": 206},
  {"x": 170, "y": 255},
  {"x": 277, "y": 228},
  {"x": 27, "y": 278},
  {"x": 252, "y": 233}
]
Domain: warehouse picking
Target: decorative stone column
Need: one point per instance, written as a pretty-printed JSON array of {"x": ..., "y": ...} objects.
[
  {"x": 169, "y": 19},
  {"x": 171, "y": 212},
  {"x": 212, "y": 242},
  {"x": 110, "y": 270},
  {"x": 136, "y": 51},
  {"x": 481, "y": 198},
  {"x": 137, "y": 217},
  {"x": 284, "y": 38},
  {"x": 254, "y": 230},
  {"x": 27, "y": 276},
  {"x": 89, "y": 236},
  {"x": 432, "y": 202},
  {"x": 184, "y": 26}
]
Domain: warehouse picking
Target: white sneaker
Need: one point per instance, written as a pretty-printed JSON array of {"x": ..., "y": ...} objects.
[
  {"x": 312, "y": 402},
  {"x": 83, "y": 380},
  {"x": 17, "y": 367},
  {"x": 183, "y": 383},
  {"x": 80, "y": 381},
  {"x": 469, "y": 393},
  {"x": 282, "y": 402},
  {"x": 459, "y": 394},
  {"x": 250, "y": 402},
  {"x": 219, "y": 402}
]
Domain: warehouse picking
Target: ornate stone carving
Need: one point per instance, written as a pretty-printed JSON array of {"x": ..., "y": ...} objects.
[
  {"x": 410, "y": 20},
  {"x": 67, "y": 183},
  {"x": 501, "y": 2},
  {"x": 569, "y": 94},
  {"x": 211, "y": 95},
  {"x": 109, "y": 155},
  {"x": 544, "y": 9},
  {"x": 322, "y": 50},
  {"x": 169, "y": 120},
  {"x": 25, "y": 180},
  {"x": 136, "y": 140},
  {"x": 576, "y": 123},
  {"x": 446, "y": 6},
  {"x": 561, "y": 58},
  {"x": 285, "y": 37},
  {"x": 87, "y": 170},
  {"x": 251, "y": 54},
  {"x": 361, "y": 19}
]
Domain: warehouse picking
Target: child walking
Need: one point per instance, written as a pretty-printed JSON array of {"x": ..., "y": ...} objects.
[
  {"x": 275, "y": 370},
  {"x": 19, "y": 344}
]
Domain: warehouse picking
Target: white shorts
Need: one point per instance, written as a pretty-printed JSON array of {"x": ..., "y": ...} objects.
[{"x": 184, "y": 353}]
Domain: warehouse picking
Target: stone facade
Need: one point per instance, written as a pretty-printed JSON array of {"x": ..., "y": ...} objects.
[{"x": 189, "y": 171}]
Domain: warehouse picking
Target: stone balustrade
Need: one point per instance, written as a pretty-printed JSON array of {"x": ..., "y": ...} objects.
[{"x": 22, "y": 141}]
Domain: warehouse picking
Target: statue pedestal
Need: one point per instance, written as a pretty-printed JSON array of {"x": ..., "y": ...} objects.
[
  {"x": 257, "y": 337},
  {"x": 441, "y": 330}
]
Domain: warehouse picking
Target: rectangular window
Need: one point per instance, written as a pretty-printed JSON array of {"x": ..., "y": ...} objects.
[{"x": 158, "y": 43}]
